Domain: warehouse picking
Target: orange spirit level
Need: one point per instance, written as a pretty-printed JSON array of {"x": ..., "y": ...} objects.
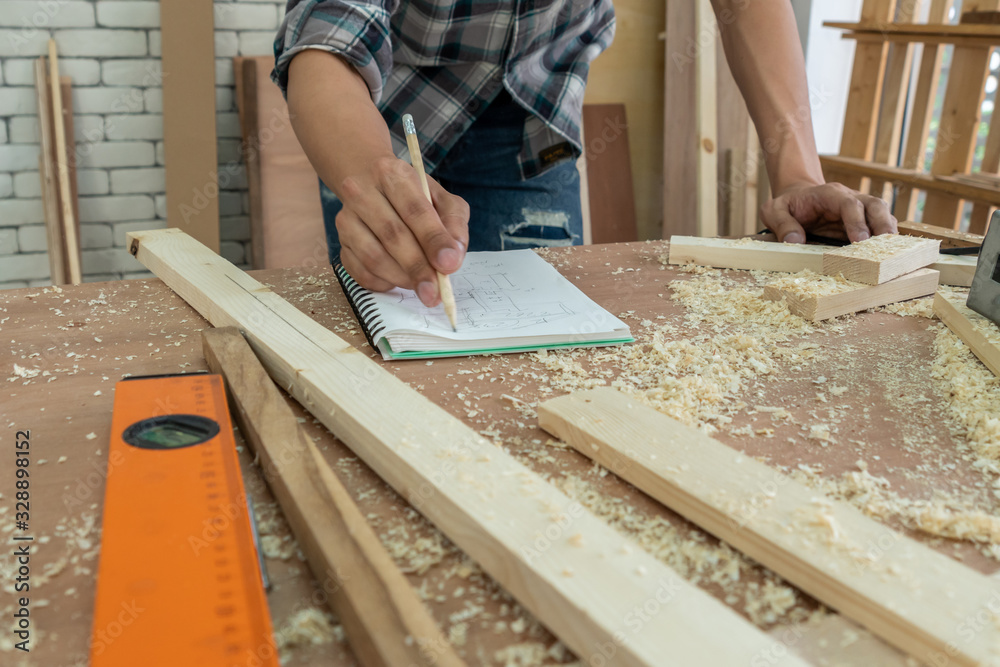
[{"x": 179, "y": 582}]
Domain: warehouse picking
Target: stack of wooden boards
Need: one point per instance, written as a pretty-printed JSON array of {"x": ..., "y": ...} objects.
[
  {"x": 829, "y": 281},
  {"x": 875, "y": 272},
  {"x": 588, "y": 581},
  {"x": 57, "y": 169}
]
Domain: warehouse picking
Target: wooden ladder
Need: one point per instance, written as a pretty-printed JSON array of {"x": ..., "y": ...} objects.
[{"x": 876, "y": 124}]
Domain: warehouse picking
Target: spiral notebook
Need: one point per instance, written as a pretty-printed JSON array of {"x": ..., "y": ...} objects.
[{"x": 512, "y": 301}]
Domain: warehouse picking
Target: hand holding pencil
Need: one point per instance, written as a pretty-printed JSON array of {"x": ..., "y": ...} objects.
[
  {"x": 390, "y": 235},
  {"x": 417, "y": 160}
]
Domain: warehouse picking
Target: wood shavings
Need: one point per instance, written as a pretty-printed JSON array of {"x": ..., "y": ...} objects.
[
  {"x": 973, "y": 396},
  {"x": 806, "y": 284},
  {"x": 880, "y": 247},
  {"x": 306, "y": 627}
]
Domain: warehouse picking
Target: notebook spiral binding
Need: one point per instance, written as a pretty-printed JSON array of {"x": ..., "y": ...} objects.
[{"x": 361, "y": 303}]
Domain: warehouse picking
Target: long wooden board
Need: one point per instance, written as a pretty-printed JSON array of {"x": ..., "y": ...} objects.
[
  {"x": 47, "y": 175},
  {"x": 847, "y": 297},
  {"x": 189, "y": 135},
  {"x": 286, "y": 216},
  {"x": 752, "y": 255},
  {"x": 707, "y": 122},
  {"x": 962, "y": 321},
  {"x": 609, "y": 194},
  {"x": 386, "y": 622},
  {"x": 949, "y": 238},
  {"x": 582, "y": 579},
  {"x": 67, "y": 209},
  {"x": 912, "y": 596}
]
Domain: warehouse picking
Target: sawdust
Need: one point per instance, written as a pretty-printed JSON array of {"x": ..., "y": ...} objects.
[
  {"x": 942, "y": 515},
  {"x": 699, "y": 379},
  {"x": 807, "y": 284},
  {"x": 762, "y": 596},
  {"x": 881, "y": 247},
  {"x": 306, "y": 627},
  {"x": 973, "y": 397}
]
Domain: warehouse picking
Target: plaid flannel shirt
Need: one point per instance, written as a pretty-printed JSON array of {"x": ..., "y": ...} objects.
[{"x": 444, "y": 61}]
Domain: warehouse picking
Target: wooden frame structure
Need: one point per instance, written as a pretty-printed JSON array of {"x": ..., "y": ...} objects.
[{"x": 875, "y": 123}]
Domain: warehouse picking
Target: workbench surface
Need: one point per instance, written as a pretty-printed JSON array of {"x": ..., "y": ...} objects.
[{"x": 852, "y": 406}]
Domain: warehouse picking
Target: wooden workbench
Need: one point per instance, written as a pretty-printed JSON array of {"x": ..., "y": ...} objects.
[{"x": 72, "y": 344}]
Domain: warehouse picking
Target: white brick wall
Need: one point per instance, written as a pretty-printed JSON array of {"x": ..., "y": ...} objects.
[{"x": 111, "y": 49}]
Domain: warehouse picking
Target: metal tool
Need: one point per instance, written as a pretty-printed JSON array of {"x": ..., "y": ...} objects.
[{"x": 984, "y": 298}]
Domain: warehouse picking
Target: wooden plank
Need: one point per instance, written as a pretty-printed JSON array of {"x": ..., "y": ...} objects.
[
  {"x": 949, "y": 238},
  {"x": 490, "y": 505},
  {"x": 752, "y": 255},
  {"x": 920, "y": 29},
  {"x": 245, "y": 73},
  {"x": 864, "y": 98},
  {"x": 910, "y": 595},
  {"x": 68, "y": 224},
  {"x": 706, "y": 117},
  {"x": 66, "y": 87},
  {"x": 385, "y": 621},
  {"x": 959, "y": 124},
  {"x": 907, "y": 38},
  {"x": 817, "y": 300},
  {"x": 959, "y": 186},
  {"x": 609, "y": 174},
  {"x": 630, "y": 72},
  {"x": 47, "y": 175},
  {"x": 894, "y": 98},
  {"x": 981, "y": 335},
  {"x": 680, "y": 151},
  {"x": 187, "y": 29},
  {"x": 746, "y": 254},
  {"x": 880, "y": 258},
  {"x": 928, "y": 80},
  {"x": 291, "y": 215}
]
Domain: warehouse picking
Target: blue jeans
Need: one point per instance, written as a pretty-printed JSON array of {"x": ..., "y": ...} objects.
[{"x": 507, "y": 213}]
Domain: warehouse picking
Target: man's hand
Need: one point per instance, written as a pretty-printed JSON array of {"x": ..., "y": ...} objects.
[
  {"x": 830, "y": 209},
  {"x": 392, "y": 236}
]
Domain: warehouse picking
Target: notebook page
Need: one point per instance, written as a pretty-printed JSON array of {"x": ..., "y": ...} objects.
[{"x": 499, "y": 296}]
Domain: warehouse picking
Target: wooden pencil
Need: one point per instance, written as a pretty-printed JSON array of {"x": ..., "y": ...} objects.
[{"x": 444, "y": 283}]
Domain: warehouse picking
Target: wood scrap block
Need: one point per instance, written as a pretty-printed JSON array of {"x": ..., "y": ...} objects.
[
  {"x": 747, "y": 253},
  {"x": 909, "y": 594},
  {"x": 881, "y": 258},
  {"x": 949, "y": 237},
  {"x": 750, "y": 255},
  {"x": 816, "y": 297},
  {"x": 386, "y": 622},
  {"x": 489, "y": 504},
  {"x": 981, "y": 335}
]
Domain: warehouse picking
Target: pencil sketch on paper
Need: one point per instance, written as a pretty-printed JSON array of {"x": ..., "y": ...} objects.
[{"x": 489, "y": 298}]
